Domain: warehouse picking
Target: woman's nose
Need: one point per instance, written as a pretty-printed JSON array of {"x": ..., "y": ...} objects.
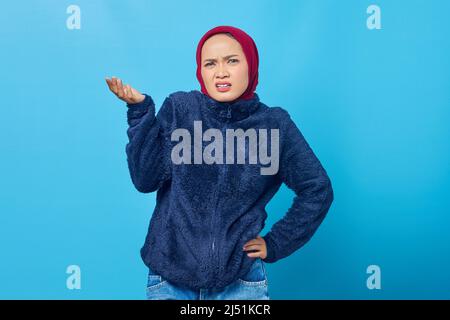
[{"x": 221, "y": 70}]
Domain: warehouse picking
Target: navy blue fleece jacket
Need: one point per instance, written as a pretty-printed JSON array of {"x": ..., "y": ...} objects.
[{"x": 205, "y": 213}]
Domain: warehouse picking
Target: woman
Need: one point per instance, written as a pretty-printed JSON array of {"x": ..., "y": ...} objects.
[{"x": 203, "y": 240}]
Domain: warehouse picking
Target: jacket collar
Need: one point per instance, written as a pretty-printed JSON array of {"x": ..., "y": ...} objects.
[{"x": 231, "y": 111}]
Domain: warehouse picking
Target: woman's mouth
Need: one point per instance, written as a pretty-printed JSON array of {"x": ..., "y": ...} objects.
[{"x": 223, "y": 86}]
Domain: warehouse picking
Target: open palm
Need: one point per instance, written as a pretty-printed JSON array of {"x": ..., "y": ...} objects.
[{"x": 124, "y": 92}]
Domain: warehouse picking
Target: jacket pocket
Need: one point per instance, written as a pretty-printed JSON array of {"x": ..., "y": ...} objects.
[{"x": 256, "y": 276}]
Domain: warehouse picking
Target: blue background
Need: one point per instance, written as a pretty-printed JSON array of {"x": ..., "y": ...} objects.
[{"x": 373, "y": 105}]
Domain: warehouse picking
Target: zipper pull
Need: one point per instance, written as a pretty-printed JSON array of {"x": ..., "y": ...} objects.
[{"x": 229, "y": 112}]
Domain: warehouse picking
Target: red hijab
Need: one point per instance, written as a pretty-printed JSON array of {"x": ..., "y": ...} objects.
[{"x": 250, "y": 51}]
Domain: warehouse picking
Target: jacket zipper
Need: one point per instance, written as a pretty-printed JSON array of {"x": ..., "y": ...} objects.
[{"x": 221, "y": 177}]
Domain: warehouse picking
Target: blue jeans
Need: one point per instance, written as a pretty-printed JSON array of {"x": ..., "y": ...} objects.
[{"x": 252, "y": 286}]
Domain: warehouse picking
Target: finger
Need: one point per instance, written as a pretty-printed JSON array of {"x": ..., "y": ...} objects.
[
  {"x": 109, "y": 83},
  {"x": 114, "y": 84},
  {"x": 125, "y": 93},
  {"x": 253, "y": 247},
  {"x": 254, "y": 254},
  {"x": 131, "y": 92},
  {"x": 129, "y": 95},
  {"x": 120, "y": 88},
  {"x": 253, "y": 241}
]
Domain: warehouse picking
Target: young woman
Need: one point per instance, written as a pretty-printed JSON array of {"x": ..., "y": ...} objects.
[{"x": 216, "y": 157}]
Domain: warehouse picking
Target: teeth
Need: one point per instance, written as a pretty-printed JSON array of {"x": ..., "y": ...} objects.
[{"x": 223, "y": 85}]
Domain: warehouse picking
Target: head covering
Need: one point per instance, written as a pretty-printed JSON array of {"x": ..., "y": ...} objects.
[{"x": 250, "y": 51}]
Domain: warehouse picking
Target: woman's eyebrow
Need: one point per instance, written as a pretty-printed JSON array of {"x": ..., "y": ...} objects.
[{"x": 224, "y": 58}]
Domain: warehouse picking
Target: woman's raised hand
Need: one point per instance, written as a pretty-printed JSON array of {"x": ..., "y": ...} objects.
[{"x": 124, "y": 92}]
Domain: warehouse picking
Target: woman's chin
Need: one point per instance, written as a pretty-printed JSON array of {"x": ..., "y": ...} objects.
[{"x": 224, "y": 96}]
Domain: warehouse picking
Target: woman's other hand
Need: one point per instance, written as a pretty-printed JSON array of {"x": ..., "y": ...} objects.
[
  {"x": 257, "y": 244},
  {"x": 124, "y": 92}
]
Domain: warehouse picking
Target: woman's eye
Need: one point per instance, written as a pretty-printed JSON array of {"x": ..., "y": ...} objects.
[{"x": 230, "y": 60}]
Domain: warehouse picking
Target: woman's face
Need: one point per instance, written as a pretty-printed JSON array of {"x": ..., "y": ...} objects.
[{"x": 223, "y": 61}]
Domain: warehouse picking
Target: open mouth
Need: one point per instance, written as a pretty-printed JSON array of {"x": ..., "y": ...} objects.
[{"x": 225, "y": 86}]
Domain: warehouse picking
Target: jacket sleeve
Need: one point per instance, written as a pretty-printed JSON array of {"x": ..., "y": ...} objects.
[
  {"x": 303, "y": 173},
  {"x": 148, "y": 149}
]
